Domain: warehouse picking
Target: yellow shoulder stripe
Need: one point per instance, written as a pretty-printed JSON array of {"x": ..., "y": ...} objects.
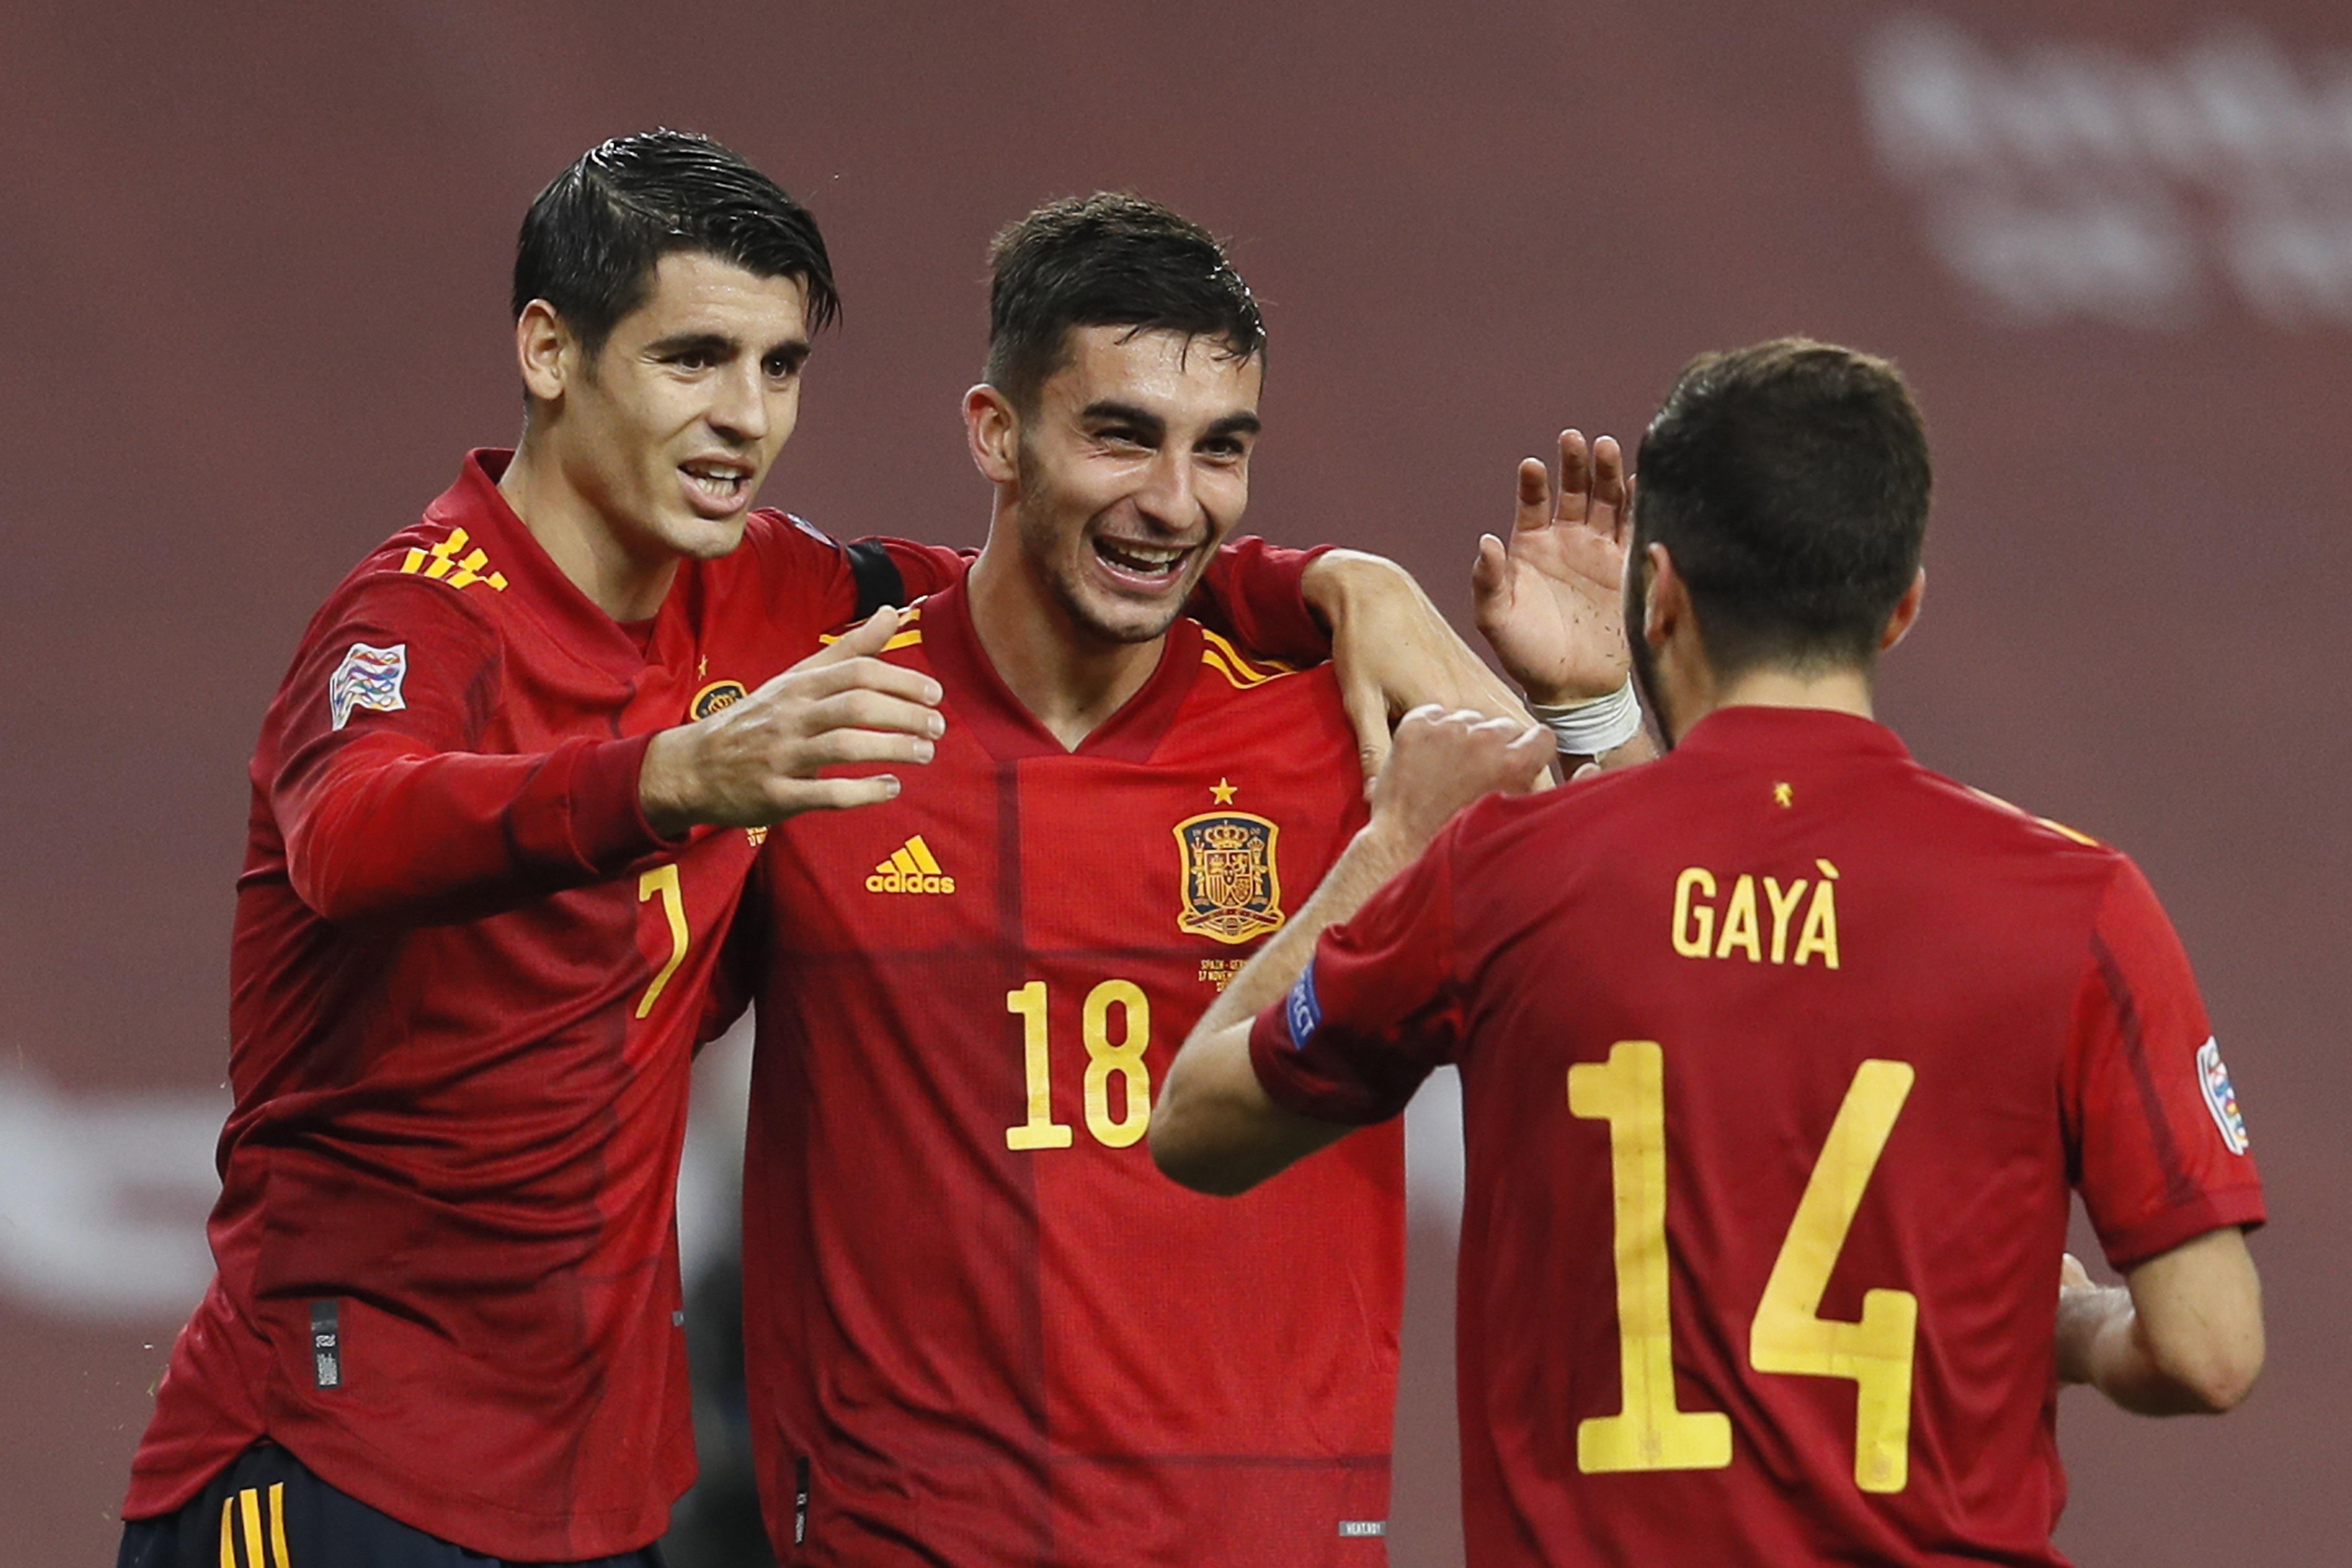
[
  {"x": 1227, "y": 660},
  {"x": 443, "y": 563},
  {"x": 2055, "y": 827},
  {"x": 909, "y": 636}
]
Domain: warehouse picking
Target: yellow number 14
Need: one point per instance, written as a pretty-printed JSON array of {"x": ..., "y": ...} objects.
[{"x": 1788, "y": 1334}]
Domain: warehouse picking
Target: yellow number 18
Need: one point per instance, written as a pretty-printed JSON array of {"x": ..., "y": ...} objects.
[{"x": 1788, "y": 1334}]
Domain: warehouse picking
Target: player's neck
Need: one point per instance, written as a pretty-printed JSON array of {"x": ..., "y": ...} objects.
[
  {"x": 1069, "y": 680},
  {"x": 1841, "y": 691},
  {"x": 580, "y": 540}
]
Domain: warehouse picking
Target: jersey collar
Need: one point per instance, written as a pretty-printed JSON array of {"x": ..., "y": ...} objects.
[
  {"x": 980, "y": 698},
  {"x": 1747, "y": 727},
  {"x": 575, "y": 621}
]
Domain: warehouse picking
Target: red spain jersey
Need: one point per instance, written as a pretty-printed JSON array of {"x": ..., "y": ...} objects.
[
  {"x": 466, "y": 977},
  {"x": 1778, "y": 1058},
  {"x": 981, "y": 1328}
]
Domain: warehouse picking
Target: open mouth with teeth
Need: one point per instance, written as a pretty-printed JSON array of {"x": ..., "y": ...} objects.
[
  {"x": 722, "y": 485},
  {"x": 1130, "y": 558}
]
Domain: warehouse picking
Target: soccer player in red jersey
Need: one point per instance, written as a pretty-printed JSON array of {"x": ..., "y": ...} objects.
[
  {"x": 1779, "y": 1058},
  {"x": 979, "y": 1327},
  {"x": 503, "y": 807}
]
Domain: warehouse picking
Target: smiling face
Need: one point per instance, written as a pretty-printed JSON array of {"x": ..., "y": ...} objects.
[
  {"x": 667, "y": 431},
  {"x": 1131, "y": 470}
]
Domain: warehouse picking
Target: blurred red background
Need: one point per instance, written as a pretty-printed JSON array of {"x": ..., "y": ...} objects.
[{"x": 253, "y": 293}]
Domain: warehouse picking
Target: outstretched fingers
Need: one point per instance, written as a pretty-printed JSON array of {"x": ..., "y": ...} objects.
[
  {"x": 1535, "y": 509},
  {"x": 1575, "y": 477},
  {"x": 1611, "y": 490}
]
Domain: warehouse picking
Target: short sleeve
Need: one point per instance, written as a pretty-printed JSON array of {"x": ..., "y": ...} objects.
[
  {"x": 1376, "y": 1009},
  {"x": 923, "y": 569},
  {"x": 2157, "y": 1141}
]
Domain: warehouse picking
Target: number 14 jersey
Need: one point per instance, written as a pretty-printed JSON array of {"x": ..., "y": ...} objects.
[
  {"x": 981, "y": 1328},
  {"x": 1779, "y": 1057}
]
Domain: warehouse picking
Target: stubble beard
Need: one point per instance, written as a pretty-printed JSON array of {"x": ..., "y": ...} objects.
[{"x": 1038, "y": 509}]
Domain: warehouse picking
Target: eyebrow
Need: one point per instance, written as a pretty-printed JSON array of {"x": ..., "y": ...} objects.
[
  {"x": 720, "y": 346},
  {"x": 688, "y": 343}
]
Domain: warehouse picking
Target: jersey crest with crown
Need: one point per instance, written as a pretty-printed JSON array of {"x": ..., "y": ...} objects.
[{"x": 1232, "y": 886}]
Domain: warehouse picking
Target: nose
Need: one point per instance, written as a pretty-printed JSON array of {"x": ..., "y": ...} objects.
[
  {"x": 738, "y": 405},
  {"x": 1166, "y": 497}
]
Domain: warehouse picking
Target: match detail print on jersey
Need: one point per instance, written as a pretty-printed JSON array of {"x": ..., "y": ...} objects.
[{"x": 1788, "y": 1336}]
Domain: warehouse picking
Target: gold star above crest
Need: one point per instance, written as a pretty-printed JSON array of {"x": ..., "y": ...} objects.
[
  {"x": 1223, "y": 792},
  {"x": 702, "y": 667},
  {"x": 1783, "y": 795}
]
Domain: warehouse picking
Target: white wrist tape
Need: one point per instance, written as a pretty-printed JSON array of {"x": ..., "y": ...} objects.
[{"x": 1594, "y": 729}]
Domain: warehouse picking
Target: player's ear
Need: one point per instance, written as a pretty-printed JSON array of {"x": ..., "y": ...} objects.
[
  {"x": 1907, "y": 611},
  {"x": 994, "y": 432},
  {"x": 1666, "y": 605},
  {"x": 541, "y": 342}
]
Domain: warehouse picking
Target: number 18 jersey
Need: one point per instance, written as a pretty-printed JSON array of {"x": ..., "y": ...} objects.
[
  {"x": 981, "y": 1327},
  {"x": 1779, "y": 1057}
]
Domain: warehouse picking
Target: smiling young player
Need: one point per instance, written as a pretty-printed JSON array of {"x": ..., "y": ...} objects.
[{"x": 979, "y": 1329}]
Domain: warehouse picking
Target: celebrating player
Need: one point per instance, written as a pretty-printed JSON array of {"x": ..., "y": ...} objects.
[
  {"x": 503, "y": 807},
  {"x": 979, "y": 1329},
  {"x": 1817, "y": 1038}
]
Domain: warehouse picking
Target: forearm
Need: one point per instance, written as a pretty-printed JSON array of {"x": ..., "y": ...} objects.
[
  {"x": 1639, "y": 749},
  {"x": 455, "y": 834},
  {"x": 1370, "y": 858},
  {"x": 2185, "y": 1337},
  {"x": 1215, "y": 1129},
  {"x": 2101, "y": 1343}
]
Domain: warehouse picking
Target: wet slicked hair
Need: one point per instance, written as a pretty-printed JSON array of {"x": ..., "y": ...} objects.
[
  {"x": 592, "y": 238},
  {"x": 1111, "y": 260},
  {"x": 1790, "y": 482}
]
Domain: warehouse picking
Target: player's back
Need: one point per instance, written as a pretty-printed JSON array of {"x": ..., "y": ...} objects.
[
  {"x": 1775, "y": 1071},
  {"x": 981, "y": 1327}
]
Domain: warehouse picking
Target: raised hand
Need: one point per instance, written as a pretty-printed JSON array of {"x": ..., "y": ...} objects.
[
  {"x": 757, "y": 761},
  {"x": 1550, "y": 600}
]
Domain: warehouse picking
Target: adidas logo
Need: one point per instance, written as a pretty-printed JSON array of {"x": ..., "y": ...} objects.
[{"x": 910, "y": 869}]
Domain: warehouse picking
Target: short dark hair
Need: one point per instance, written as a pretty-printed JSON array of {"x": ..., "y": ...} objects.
[
  {"x": 592, "y": 238},
  {"x": 1111, "y": 260},
  {"x": 1788, "y": 481}
]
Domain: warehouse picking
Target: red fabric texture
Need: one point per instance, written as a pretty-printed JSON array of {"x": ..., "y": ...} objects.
[{"x": 990, "y": 1355}]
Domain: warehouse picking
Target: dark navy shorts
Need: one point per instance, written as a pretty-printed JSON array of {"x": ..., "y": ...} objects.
[{"x": 267, "y": 1511}]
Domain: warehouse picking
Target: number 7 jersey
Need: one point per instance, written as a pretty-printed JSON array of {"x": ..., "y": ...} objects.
[
  {"x": 1778, "y": 1058},
  {"x": 981, "y": 1328}
]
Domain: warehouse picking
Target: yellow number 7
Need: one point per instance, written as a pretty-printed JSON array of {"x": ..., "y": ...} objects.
[
  {"x": 1787, "y": 1335},
  {"x": 662, "y": 881}
]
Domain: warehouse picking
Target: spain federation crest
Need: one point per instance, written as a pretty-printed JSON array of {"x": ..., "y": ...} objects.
[{"x": 1232, "y": 890}]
